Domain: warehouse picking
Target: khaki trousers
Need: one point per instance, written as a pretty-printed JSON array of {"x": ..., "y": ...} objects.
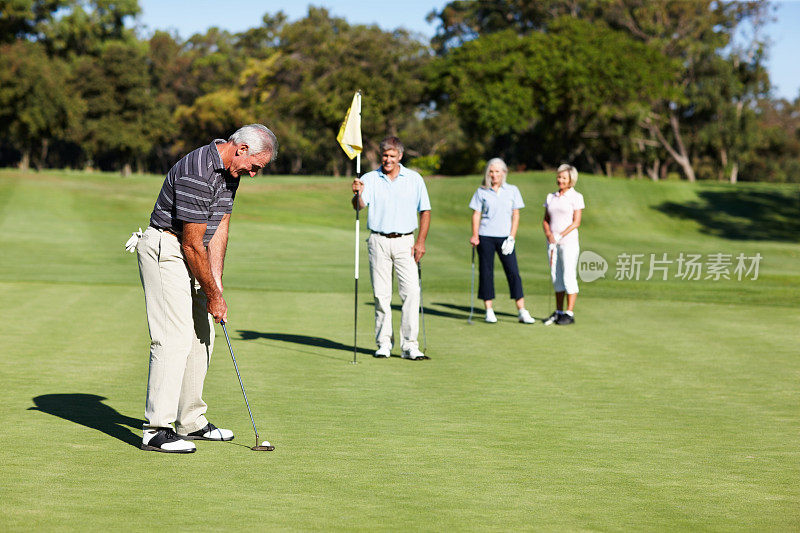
[
  {"x": 383, "y": 254},
  {"x": 181, "y": 333}
]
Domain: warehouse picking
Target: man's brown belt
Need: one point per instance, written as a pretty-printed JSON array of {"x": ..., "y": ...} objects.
[{"x": 393, "y": 235}]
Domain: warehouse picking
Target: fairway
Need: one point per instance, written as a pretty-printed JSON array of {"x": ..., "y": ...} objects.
[{"x": 669, "y": 405}]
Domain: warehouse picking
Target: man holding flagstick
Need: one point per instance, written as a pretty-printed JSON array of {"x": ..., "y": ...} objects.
[{"x": 394, "y": 195}]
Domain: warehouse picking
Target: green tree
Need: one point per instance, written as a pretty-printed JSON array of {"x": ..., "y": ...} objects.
[
  {"x": 550, "y": 90},
  {"x": 36, "y": 104},
  {"x": 197, "y": 77},
  {"x": 20, "y": 19},
  {"x": 305, "y": 83},
  {"x": 211, "y": 115},
  {"x": 776, "y": 154},
  {"x": 171, "y": 88},
  {"x": 122, "y": 113},
  {"x": 697, "y": 34},
  {"x": 84, "y": 26},
  {"x": 214, "y": 61},
  {"x": 461, "y": 21},
  {"x": 726, "y": 119}
]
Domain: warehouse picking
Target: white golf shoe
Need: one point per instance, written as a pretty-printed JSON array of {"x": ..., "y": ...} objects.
[
  {"x": 413, "y": 354},
  {"x": 525, "y": 317},
  {"x": 490, "y": 317},
  {"x": 165, "y": 440},
  {"x": 385, "y": 350},
  {"x": 210, "y": 432}
]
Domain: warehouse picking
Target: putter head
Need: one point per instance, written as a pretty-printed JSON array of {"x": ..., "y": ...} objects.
[{"x": 262, "y": 448}]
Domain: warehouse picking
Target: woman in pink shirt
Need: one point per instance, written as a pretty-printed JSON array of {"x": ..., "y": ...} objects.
[{"x": 562, "y": 217}]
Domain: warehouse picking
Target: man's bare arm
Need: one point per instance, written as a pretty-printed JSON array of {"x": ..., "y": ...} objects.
[
  {"x": 422, "y": 234},
  {"x": 197, "y": 259},
  {"x": 216, "y": 250}
]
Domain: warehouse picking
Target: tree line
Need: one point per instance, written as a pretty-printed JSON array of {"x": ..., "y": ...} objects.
[{"x": 648, "y": 89}]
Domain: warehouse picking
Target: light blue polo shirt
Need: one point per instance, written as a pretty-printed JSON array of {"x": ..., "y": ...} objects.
[
  {"x": 393, "y": 204},
  {"x": 496, "y": 209}
]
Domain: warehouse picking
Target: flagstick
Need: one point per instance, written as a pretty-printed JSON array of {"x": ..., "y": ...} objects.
[
  {"x": 355, "y": 297},
  {"x": 349, "y": 138}
]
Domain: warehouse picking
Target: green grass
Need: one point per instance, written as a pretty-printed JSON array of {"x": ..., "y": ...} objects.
[{"x": 670, "y": 405}]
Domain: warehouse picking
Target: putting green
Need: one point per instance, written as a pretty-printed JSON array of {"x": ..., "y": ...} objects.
[{"x": 670, "y": 405}]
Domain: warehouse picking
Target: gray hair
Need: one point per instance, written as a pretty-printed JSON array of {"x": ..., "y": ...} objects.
[
  {"x": 571, "y": 171},
  {"x": 391, "y": 143},
  {"x": 487, "y": 181},
  {"x": 258, "y": 137}
]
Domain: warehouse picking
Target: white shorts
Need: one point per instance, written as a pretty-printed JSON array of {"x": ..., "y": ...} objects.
[{"x": 564, "y": 267}]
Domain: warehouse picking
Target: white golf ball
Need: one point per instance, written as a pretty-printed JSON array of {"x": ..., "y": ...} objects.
[{"x": 266, "y": 443}]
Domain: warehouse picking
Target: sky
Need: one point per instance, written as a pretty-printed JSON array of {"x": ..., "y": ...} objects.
[{"x": 187, "y": 17}]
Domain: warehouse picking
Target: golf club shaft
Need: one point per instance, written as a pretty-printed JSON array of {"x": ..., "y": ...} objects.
[
  {"x": 422, "y": 309},
  {"x": 472, "y": 288},
  {"x": 553, "y": 252},
  {"x": 233, "y": 357}
]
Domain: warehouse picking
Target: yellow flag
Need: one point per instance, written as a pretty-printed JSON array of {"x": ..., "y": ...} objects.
[{"x": 350, "y": 131}]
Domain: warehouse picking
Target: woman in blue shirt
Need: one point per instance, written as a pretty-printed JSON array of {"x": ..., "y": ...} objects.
[{"x": 495, "y": 220}]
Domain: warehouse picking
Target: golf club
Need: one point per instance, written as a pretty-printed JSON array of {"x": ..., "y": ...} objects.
[
  {"x": 472, "y": 289},
  {"x": 260, "y": 446},
  {"x": 553, "y": 253},
  {"x": 422, "y": 309}
]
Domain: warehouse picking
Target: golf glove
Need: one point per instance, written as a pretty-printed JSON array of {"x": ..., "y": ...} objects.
[
  {"x": 508, "y": 246},
  {"x": 557, "y": 237},
  {"x": 131, "y": 244}
]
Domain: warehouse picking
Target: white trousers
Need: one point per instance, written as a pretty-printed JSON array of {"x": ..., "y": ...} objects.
[
  {"x": 383, "y": 254},
  {"x": 564, "y": 268},
  {"x": 181, "y": 335}
]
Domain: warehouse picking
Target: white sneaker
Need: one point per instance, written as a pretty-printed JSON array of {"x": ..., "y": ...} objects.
[
  {"x": 525, "y": 317},
  {"x": 210, "y": 432},
  {"x": 490, "y": 318},
  {"x": 413, "y": 354},
  {"x": 165, "y": 440},
  {"x": 385, "y": 350}
]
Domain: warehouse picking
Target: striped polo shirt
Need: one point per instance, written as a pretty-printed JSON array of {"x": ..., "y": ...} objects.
[{"x": 197, "y": 189}]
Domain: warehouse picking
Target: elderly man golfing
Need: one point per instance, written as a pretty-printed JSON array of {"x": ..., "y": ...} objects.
[
  {"x": 181, "y": 257},
  {"x": 394, "y": 194}
]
